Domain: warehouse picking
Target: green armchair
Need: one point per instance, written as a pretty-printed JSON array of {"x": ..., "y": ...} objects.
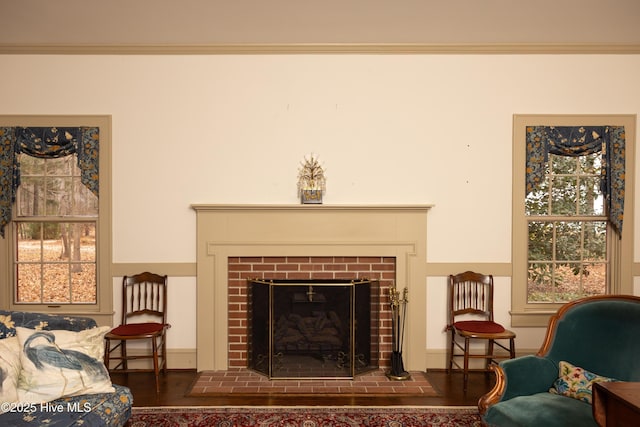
[{"x": 600, "y": 334}]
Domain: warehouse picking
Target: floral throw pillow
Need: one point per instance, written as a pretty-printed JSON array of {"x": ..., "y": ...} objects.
[
  {"x": 61, "y": 363},
  {"x": 576, "y": 382}
]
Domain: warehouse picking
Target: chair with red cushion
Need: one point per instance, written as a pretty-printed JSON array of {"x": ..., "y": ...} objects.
[
  {"x": 471, "y": 318},
  {"x": 144, "y": 317}
]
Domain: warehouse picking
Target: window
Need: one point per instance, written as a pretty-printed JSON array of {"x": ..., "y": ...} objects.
[
  {"x": 54, "y": 226},
  {"x": 567, "y": 229},
  {"x": 565, "y": 241},
  {"x": 56, "y": 253}
]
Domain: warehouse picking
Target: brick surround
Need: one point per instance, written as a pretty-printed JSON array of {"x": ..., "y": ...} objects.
[{"x": 302, "y": 268}]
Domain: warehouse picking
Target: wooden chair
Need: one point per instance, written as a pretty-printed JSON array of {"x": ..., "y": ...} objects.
[
  {"x": 144, "y": 317},
  {"x": 471, "y": 318}
]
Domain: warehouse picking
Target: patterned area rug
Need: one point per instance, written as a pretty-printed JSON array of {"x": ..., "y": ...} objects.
[{"x": 298, "y": 416}]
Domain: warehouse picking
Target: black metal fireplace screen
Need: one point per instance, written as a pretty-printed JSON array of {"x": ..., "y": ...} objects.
[{"x": 313, "y": 328}]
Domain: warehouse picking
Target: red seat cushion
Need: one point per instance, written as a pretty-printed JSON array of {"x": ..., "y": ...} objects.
[
  {"x": 137, "y": 329},
  {"x": 479, "y": 326}
]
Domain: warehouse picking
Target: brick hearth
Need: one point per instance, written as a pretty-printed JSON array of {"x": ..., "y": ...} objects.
[{"x": 246, "y": 382}]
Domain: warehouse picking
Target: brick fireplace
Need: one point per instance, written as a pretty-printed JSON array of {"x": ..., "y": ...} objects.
[
  {"x": 240, "y": 269},
  {"x": 236, "y": 242}
]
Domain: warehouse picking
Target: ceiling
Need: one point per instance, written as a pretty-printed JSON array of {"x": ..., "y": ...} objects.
[{"x": 403, "y": 22}]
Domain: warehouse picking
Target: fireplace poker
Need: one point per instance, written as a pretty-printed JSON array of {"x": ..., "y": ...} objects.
[
  {"x": 398, "y": 317},
  {"x": 404, "y": 302}
]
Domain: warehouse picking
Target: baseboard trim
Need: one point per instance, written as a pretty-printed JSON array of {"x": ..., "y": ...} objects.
[
  {"x": 436, "y": 359},
  {"x": 176, "y": 359}
]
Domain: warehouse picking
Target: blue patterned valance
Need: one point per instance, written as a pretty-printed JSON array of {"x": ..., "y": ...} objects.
[
  {"x": 576, "y": 141},
  {"x": 45, "y": 142}
]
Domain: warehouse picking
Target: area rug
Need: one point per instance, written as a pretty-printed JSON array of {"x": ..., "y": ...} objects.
[{"x": 299, "y": 416}]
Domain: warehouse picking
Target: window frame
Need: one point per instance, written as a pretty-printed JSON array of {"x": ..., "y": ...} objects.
[
  {"x": 102, "y": 310},
  {"x": 619, "y": 251}
]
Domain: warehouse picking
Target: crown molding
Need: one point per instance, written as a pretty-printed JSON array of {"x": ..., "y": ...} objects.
[{"x": 320, "y": 48}]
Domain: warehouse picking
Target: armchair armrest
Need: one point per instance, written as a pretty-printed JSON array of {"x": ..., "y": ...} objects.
[{"x": 521, "y": 376}]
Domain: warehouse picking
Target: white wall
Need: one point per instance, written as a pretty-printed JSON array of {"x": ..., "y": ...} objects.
[{"x": 388, "y": 128}]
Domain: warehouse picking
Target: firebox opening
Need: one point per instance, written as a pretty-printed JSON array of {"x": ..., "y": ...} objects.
[{"x": 313, "y": 328}]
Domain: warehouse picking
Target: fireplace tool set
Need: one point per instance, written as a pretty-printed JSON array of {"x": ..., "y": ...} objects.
[{"x": 399, "y": 314}]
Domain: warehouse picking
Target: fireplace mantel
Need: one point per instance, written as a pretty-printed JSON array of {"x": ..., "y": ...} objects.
[
  {"x": 309, "y": 207},
  {"x": 225, "y": 231}
]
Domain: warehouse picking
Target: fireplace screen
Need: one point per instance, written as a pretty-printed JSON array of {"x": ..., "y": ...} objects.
[{"x": 313, "y": 328}]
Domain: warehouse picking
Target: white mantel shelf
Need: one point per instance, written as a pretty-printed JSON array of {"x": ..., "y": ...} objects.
[{"x": 296, "y": 207}]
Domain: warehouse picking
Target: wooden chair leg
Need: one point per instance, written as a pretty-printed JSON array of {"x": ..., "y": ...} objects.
[
  {"x": 164, "y": 354},
  {"x": 490, "y": 353},
  {"x": 466, "y": 364},
  {"x": 107, "y": 350},
  {"x": 123, "y": 354},
  {"x": 155, "y": 363},
  {"x": 450, "y": 355}
]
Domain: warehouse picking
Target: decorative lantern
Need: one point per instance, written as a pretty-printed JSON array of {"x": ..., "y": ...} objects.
[{"x": 311, "y": 181}]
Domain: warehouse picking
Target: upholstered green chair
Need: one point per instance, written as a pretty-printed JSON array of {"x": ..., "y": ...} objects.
[{"x": 600, "y": 335}]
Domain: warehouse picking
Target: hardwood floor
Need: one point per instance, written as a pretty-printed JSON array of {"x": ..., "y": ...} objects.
[{"x": 175, "y": 384}]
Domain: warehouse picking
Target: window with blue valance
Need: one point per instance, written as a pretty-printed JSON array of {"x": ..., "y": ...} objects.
[
  {"x": 574, "y": 141},
  {"x": 45, "y": 142}
]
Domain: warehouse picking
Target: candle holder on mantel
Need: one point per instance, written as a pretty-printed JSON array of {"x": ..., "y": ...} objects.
[{"x": 399, "y": 315}]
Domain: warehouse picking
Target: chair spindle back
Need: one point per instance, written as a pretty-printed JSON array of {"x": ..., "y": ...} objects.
[
  {"x": 471, "y": 293},
  {"x": 144, "y": 294}
]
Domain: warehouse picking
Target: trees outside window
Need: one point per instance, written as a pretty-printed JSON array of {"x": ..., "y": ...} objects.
[
  {"x": 567, "y": 230},
  {"x": 55, "y": 231}
]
